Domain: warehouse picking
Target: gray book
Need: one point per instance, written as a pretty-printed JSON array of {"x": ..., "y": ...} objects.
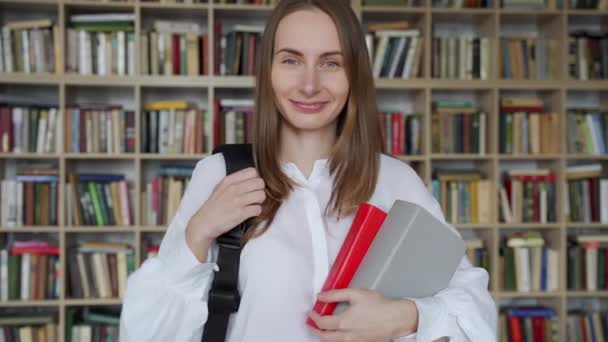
[{"x": 413, "y": 255}]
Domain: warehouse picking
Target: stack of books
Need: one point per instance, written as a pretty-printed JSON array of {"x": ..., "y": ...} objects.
[
  {"x": 458, "y": 127},
  {"x": 529, "y": 264},
  {"x": 101, "y": 44}
]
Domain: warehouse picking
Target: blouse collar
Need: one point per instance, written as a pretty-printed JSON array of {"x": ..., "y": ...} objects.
[{"x": 320, "y": 170}]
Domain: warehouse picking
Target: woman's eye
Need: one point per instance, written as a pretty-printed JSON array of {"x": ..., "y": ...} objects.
[
  {"x": 332, "y": 64},
  {"x": 290, "y": 61}
]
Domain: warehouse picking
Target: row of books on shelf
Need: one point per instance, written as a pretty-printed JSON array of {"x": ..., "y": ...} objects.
[
  {"x": 395, "y": 49},
  {"x": 30, "y": 198},
  {"x": 175, "y": 48},
  {"x": 92, "y": 325},
  {"x": 586, "y": 194},
  {"x": 30, "y": 270},
  {"x": 528, "y": 323},
  {"x": 28, "y": 129},
  {"x": 98, "y": 200},
  {"x": 462, "y": 3},
  {"x": 162, "y": 196},
  {"x": 37, "y": 327},
  {"x": 179, "y": 129},
  {"x": 526, "y": 128},
  {"x": 464, "y": 196},
  {"x": 236, "y": 50},
  {"x": 101, "y": 44},
  {"x": 529, "y": 264},
  {"x": 233, "y": 121},
  {"x": 588, "y": 131},
  {"x": 401, "y": 133},
  {"x": 588, "y": 55},
  {"x": 477, "y": 252},
  {"x": 587, "y": 263},
  {"x": 29, "y": 46},
  {"x": 99, "y": 269},
  {"x": 528, "y": 196},
  {"x": 458, "y": 127},
  {"x": 591, "y": 326},
  {"x": 463, "y": 58},
  {"x": 99, "y": 129},
  {"x": 529, "y": 58}
]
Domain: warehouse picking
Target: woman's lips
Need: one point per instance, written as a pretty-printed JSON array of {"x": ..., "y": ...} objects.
[{"x": 309, "y": 107}]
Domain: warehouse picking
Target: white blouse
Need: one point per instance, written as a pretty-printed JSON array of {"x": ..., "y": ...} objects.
[{"x": 282, "y": 270}]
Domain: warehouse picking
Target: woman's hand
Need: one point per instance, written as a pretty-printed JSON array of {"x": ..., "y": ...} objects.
[
  {"x": 370, "y": 317},
  {"x": 236, "y": 198}
]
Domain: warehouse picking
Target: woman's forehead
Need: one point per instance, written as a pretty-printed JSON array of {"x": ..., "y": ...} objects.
[{"x": 307, "y": 31}]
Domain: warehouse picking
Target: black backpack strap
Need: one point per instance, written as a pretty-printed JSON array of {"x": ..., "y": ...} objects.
[{"x": 224, "y": 298}]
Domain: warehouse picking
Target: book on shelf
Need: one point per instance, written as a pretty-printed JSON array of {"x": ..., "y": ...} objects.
[
  {"x": 525, "y": 127},
  {"x": 161, "y": 196},
  {"x": 233, "y": 121},
  {"x": 30, "y": 46},
  {"x": 407, "y": 3},
  {"x": 458, "y": 128},
  {"x": 528, "y": 323},
  {"x": 588, "y": 55},
  {"x": 101, "y": 44},
  {"x": 30, "y": 270},
  {"x": 401, "y": 133},
  {"x": 529, "y": 58},
  {"x": 99, "y": 129},
  {"x": 463, "y": 4},
  {"x": 532, "y": 4},
  {"x": 26, "y": 326},
  {"x": 528, "y": 196},
  {"x": 587, "y": 262},
  {"x": 394, "y": 52},
  {"x": 92, "y": 324},
  {"x": 460, "y": 57},
  {"x": 174, "y": 48},
  {"x": 236, "y": 48},
  {"x": 586, "y": 195},
  {"x": 477, "y": 252},
  {"x": 99, "y": 269},
  {"x": 172, "y": 127},
  {"x": 528, "y": 263},
  {"x": 98, "y": 200},
  {"x": 152, "y": 251},
  {"x": 587, "y": 325},
  {"x": 588, "y": 4},
  {"x": 28, "y": 128},
  {"x": 465, "y": 196},
  {"x": 247, "y": 2},
  {"x": 31, "y": 197},
  {"x": 588, "y": 131}
]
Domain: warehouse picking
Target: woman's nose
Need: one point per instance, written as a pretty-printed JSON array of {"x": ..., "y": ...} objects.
[{"x": 310, "y": 84}]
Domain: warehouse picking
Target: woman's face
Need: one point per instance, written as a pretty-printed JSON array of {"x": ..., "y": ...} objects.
[{"x": 308, "y": 75}]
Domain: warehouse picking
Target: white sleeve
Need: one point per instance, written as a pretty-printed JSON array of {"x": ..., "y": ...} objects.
[
  {"x": 465, "y": 310},
  {"x": 166, "y": 298}
]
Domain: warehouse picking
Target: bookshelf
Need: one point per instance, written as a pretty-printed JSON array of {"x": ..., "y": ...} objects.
[{"x": 63, "y": 89}]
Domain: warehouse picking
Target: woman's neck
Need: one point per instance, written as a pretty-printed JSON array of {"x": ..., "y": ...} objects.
[{"x": 303, "y": 148}]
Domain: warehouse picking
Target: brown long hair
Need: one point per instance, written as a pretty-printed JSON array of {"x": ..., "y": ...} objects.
[{"x": 355, "y": 158}]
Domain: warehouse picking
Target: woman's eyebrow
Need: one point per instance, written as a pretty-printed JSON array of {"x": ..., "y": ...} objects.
[{"x": 298, "y": 53}]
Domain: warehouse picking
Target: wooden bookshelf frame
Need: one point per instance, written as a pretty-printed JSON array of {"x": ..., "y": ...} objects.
[{"x": 425, "y": 162}]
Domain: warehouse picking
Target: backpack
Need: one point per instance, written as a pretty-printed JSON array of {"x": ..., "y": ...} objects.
[{"x": 224, "y": 297}]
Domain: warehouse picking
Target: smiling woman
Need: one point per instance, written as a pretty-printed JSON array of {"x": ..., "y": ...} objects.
[{"x": 318, "y": 156}]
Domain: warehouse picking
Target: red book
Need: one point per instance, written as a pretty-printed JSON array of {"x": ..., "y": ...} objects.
[
  {"x": 175, "y": 50},
  {"x": 362, "y": 232},
  {"x": 515, "y": 329},
  {"x": 538, "y": 326},
  {"x": 35, "y": 250}
]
